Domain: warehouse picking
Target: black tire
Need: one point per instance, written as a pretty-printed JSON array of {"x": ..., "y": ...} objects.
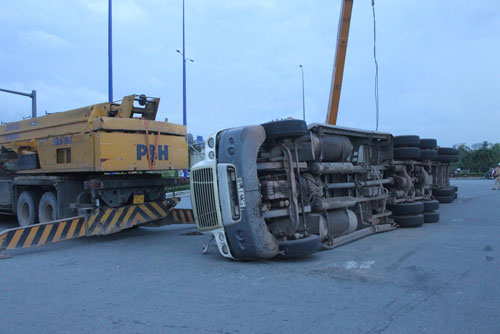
[
  {"x": 405, "y": 153},
  {"x": 410, "y": 220},
  {"x": 445, "y": 199},
  {"x": 428, "y": 143},
  {"x": 431, "y": 217},
  {"x": 47, "y": 209},
  {"x": 442, "y": 191},
  {"x": 455, "y": 195},
  {"x": 27, "y": 208},
  {"x": 454, "y": 188},
  {"x": 447, "y": 151},
  {"x": 407, "y": 208},
  {"x": 285, "y": 128},
  {"x": 447, "y": 158},
  {"x": 429, "y": 154},
  {"x": 431, "y": 205},
  {"x": 406, "y": 141},
  {"x": 300, "y": 247}
]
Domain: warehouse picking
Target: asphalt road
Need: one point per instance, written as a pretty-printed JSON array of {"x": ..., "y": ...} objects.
[{"x": 440, "y": 278}]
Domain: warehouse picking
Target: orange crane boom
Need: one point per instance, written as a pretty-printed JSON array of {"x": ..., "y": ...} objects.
[{"x": 338, "y": 69}]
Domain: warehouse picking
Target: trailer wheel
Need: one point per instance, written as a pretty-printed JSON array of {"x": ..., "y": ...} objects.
[
  {"x": 407, "y": 208},
  {"x": 447, "y": 158},
  {"x": 428, "y": 143},
  {"x": 27, "y": 208},
  {"x": 406, "y": 141},
  {"x": 431, "y": 205},
  {"x": 429, "y": 154},
  {"x": 445, "y": 199},
  {"x": 443, "y": 191},
  {"x": 47, "y": 209},
  {"x": 285, "y": 128},
  {"x": 409, "y": 221},
  {"x": 404, "y": 153},
  {"x": 301, "y": 247},
  {"x": 447, "y": 151},
  {"x": 431, "y": 217}
]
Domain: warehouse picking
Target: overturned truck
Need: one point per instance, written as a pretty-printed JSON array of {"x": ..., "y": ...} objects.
[{"x": 285, "y": 189}]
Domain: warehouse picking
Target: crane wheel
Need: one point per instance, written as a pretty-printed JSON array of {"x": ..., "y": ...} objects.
[
  {"x": 27, "y": 208},
  {"x": 47, "y": 209}
]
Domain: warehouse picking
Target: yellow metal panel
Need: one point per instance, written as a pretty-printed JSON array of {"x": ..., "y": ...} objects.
[
  {"x": 82, "y": 153},
  {"x": 136, "y": 124},
  {"x": 128, "y": 152},
  {"x": 73, "y": 121}
]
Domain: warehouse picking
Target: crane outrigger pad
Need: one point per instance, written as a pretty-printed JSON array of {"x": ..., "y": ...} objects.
[{"x": 101, "y": 221}]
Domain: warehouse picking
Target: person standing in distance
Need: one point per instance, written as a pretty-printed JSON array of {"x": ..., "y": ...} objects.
[{"x": 496, "y": 175}]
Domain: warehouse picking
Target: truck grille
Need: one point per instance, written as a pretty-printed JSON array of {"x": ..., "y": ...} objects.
[{"x": 205, "y": 201}]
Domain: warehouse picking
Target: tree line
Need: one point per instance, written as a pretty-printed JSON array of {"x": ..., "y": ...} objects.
[{"x": 480, "y": 160}]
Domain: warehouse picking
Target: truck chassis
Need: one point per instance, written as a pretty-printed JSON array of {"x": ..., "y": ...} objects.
[{"x": 285, "y": 189}]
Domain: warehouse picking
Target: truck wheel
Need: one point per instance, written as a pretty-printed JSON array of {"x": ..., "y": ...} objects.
[
  {"x": 285, "y": 128},
  {"x": 404, "y": 153},
  {"x": 445, "y": 199},
  {"x": 428, "y": 143},
  {"x": 431, "y": 217},
  {"x": 429, "y": 155},
  {"x": 447, "y": 151},
  {"x": 27, "y": 208},
  {"x": 431, "y": 205},
  {"x": 406, "y": 141},
  {"x": 47, "y": 210},
  {"x": 409, "y": 221},
  {"x": 300, "y": 247},
  {"x": 407, "y": 208}
]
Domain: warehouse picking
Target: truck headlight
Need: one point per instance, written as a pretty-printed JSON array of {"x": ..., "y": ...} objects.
[
  {"x": 211, "y": 142},
  {"x": 211, "y": 154}
]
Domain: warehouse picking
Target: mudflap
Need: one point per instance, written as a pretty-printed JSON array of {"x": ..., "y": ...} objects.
[{"x": 101, "y": 221}]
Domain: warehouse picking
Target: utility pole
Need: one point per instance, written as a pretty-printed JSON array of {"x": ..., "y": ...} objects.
[
  {"x": 110, "y": 51},
  {"x": 303, "y": 95},
  {"x": 32, "y": 95}
]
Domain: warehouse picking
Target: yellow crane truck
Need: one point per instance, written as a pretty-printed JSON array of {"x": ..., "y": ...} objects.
[{"x": 89, "y": 171}]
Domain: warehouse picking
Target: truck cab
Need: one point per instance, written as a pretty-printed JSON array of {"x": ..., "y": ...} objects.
[{"x": 285, "y": 189}]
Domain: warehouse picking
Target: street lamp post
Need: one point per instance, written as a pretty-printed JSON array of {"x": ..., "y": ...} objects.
[
  {"x": 184, "y": 59},
  {"x": 32, "y": 95},
  {"x": 303, "y": 95},
  {"x": 110, "y": 52},
  {"x": 183, "y": 53},
  {"x": 184, "y": 114}
]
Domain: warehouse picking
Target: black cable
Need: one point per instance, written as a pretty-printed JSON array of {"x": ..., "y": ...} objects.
[{"x": 376, "y": 64}]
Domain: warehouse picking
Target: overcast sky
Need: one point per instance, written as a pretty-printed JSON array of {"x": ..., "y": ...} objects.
[{"x": 439, "y": 61}]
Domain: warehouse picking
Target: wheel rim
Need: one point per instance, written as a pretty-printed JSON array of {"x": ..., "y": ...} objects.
[
  {"x": 24, "y": 213},
  {"x": 47, "y": 214}
]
